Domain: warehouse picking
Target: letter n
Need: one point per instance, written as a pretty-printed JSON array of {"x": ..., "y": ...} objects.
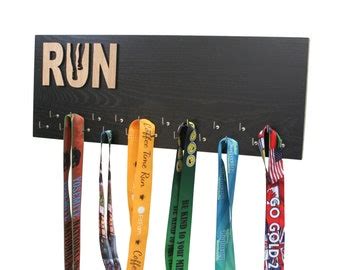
[{"x": 108, "y": 68}]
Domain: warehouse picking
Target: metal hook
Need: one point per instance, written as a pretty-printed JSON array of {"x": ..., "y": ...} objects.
[
  {"x": 121, "y": 120},
  {"x": 201, "y": 139},
  {"x": 41, "y": 126},
  {"x": 167, "y": 123},
  {"x": 126, "y": 132},
  {"x": 51, "y": 115},
  {"x": 98, "y": 118},
  {"x": 254, "y": 142},
  {"x": 241, "y": 128},
  {"x": 60, "y": 127},
  {"x": 215, "y": 126}
]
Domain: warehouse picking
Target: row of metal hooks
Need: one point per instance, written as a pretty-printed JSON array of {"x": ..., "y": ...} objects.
[{"x": 164, "y": 122}]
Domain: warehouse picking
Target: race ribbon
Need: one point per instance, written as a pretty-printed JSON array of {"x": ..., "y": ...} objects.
[
  {"x": 73, "y": 155},
  {"x": 224, "y": 256},
  {"x": 269, "y": 141},
  {"x": 141, "y": 136},
  {"x": 180, "y": 213},
  {"x": 107, "y": 237}
]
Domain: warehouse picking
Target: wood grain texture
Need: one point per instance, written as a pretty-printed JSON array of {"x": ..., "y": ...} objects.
[{"x": 226, "y": 80}]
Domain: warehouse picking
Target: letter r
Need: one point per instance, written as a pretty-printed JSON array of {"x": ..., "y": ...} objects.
[{"x": 52, "y": 64}]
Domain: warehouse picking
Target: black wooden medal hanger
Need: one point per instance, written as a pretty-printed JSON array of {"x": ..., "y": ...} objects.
[{"x": 227, "y": 85}]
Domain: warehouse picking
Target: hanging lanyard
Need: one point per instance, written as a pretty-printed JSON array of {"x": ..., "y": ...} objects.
[
  {"x": 275, "y": 216},
  {"x": 224, "y": 257},
  {"x": 73, "y": 155},
  {"x": 180, "y": 213},
  {"x": 107, "y": 235},
  {"x": 140, "y": 154}
]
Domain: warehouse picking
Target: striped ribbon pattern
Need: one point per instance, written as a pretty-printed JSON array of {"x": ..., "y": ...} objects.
[
  {"x": 73, "y": 156},
  {"x": 270, "y": 142}
]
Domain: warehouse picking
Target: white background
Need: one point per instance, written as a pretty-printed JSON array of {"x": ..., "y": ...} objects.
[{"x": 31, "y": 190}]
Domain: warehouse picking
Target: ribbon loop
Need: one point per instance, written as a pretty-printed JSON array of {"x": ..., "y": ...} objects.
[
  {"x": 270, "y": 142},
  {"x": 140, "y": 160},
  {"x": 225, "y": 257},
  {"x": 73, "y": 156},
  {"x": 180, "y": 212},
  {"x": 107, "y": 237}
]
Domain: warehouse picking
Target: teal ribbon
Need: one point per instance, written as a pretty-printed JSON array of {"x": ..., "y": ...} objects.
[{"x": 225, "y": 256}]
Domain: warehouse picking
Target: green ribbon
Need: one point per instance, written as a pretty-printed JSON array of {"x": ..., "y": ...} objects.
[{"x": 180, "y": 213}]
